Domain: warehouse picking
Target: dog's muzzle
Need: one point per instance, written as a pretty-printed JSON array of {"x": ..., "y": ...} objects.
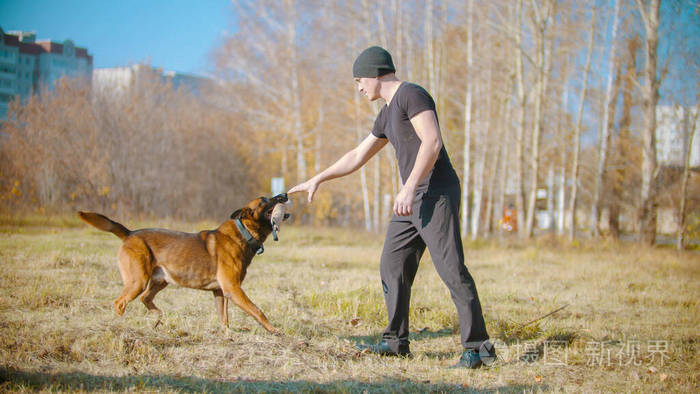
[{"x": 281, "y": 198}]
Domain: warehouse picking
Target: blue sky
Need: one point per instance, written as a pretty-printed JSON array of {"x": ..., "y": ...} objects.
[
  {"x": 176, "y": 35},
  {"x": 180, "y": 35}
]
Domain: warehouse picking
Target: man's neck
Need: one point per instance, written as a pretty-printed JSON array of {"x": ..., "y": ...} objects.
[{"x": 389, "y": 88}]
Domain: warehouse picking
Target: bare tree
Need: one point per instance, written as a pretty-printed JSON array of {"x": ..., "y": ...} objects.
[
  {"x": 499, "y": 145},
  {"x": 624, "y": 159},
  {"x": 283, "y": 84},
  {"x": 430, "y": 47},
  {"x": 480, "y": 145},
  {"x": 650, "y": 93},
  {"x": 561, "y": 179},
  {"x": 577, "y": 131},
  {"x": 541, "y": 22},
  {"x": 151, "y": 150},
  {"x": 505, "y": 148},
  {"x": 684, "y": 180},
  {"x": 466, "y": 149},
  {"x": 606, "y": 122},
  {"x": 293, "y": 90},
  {"x": 363, "y": 171},
  {"x": 522, "y": 101}
]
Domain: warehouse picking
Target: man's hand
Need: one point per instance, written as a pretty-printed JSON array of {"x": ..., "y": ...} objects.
[
  {"x": 309, "y": 186},
  {"x": 403, "y": 205}
]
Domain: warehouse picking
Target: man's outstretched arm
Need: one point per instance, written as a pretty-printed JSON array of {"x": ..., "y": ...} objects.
[{"x": 347, "y": 164}]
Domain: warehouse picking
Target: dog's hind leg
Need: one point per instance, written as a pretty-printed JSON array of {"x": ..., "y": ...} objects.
[
  {"x": 131, "y": 291},
  {"x": 221, "y": 307},
  {"x": 134, "y": 261},
  {"x": 154, "y": 286}
]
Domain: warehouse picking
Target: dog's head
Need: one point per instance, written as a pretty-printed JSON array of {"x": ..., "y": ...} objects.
[{"x": 256, "y": 215}]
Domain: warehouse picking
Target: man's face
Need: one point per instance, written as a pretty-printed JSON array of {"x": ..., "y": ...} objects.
[{"x": 369, "y": 87}]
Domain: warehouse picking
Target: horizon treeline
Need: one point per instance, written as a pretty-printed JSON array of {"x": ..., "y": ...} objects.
[{"x": 545, "y": 106}]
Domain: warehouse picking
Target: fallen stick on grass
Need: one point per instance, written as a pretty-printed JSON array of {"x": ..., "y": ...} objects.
[{"x": 535, "y": 320}]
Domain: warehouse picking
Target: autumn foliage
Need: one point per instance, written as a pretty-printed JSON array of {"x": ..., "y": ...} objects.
[{"x": 153, "y": 150}]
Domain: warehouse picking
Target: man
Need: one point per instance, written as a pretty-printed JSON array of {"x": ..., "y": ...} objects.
[{"x": 425, "y": 209}]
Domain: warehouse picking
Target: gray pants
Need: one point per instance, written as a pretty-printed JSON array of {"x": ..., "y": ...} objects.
[{"x": 435, "y": 224}]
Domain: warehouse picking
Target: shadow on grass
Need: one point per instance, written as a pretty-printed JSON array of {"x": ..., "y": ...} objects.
[
  {"x": 444, "y": 355},
  {"x": 414, "y": 336},
  {"x": 13, "y": 379},
  {"x": 431, "y": 334}
]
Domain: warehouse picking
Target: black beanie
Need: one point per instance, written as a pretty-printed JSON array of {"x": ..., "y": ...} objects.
[{"x": 373, "y": 62}]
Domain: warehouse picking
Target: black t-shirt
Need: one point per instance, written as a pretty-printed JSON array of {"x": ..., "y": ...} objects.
[{"x": 394, "y": 123}]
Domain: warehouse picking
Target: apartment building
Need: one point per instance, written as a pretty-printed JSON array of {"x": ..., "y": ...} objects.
[
  {"x": 27, "y": 64},
  {"x": 119, "y": 80}
]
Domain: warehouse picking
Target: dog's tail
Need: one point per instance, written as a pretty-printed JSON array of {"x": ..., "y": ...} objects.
[{"x": 104, "y": 223}]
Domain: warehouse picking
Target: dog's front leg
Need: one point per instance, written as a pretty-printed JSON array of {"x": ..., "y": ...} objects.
[
  {"x": 221, "y": 307},
  {"x": 241, "y": 299}
]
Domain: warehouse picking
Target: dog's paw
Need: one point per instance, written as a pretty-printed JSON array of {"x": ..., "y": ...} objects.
[{"x": 276, "y": 332}]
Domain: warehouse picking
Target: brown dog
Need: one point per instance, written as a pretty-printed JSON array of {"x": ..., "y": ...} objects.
[{"x": 216, "y": 260}]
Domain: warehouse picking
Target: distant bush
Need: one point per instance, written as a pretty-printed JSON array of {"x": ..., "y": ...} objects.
[{"x": 152, "y": 150}]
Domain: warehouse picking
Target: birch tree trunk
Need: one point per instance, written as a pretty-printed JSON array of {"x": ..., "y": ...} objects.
[
  {"x": 467, "y": 120},
  {"x": 561, "y": 195},
  {"x": 680, "y": 243},
  {"x": 622, "y": 142},
  {"x": 604, "y": 134},
  {"x": 608, "y": 183},
  {"x": 491, "y": 190},
  {"x": 429, "y": 47},
  {"x": 480, "y": 144},
  {"x": 376, "y": 185},
  {"x": 498, "y": 146},
  {"x": 648, "y": 203},
  {"x": 522, "y": 100},
  {"x": 550, "y": 198},
  {"x": 577, "y": 132},
  {"x": 296, "y": 125},
  {"x": 441, "y": 66},
  {"x": 284, "y": 163},
  {"x": 505, "y": 159},
  {"x": 319, "y": 140},
  {"x": 363, "y": 175},
  {"x": 377, "y": 194},
  {"x": 403, "y": 60},
  {"x": 397, "y": 6},
  {"x": 542, "y": 20}
]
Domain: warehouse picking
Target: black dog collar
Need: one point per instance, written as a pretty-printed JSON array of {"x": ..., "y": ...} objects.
[{"x": 252, "y": 242}]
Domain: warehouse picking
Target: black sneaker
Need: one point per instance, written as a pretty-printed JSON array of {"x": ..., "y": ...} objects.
[
  {"x": 470, "y": 359},
  {"x": 383, "y": 349}
]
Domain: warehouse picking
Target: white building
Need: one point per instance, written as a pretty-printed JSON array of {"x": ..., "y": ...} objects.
[
  {"x": 119, "y": 80},
  {"x": 673, "y": 127}
]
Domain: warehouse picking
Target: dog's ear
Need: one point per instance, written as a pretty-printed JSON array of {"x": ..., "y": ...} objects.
[{"x": 242, "y": 213}]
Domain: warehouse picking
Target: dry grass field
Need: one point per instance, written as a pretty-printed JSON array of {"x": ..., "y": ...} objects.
[{"x": 631, "y": 324}]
